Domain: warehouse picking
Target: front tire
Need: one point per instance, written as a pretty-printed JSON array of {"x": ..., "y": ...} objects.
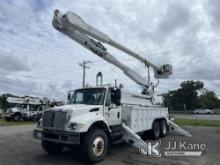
[
  {"x": 51, "y": 147},
  {"x": 95, "y": 145}
]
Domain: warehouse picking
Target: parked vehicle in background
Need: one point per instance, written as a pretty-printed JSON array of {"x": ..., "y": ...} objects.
[
  {"x": 204, "y": 111},
  {"x": 39, "y": 113},
  {"x": 21, "y": 112},
  {"x": 26, "y": 108},
  {"x": 14, "y": 113}
]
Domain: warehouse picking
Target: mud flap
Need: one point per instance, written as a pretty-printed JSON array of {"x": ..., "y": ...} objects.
[
  {"x": 132, "y": 138},
  {"x": 173, "y": 126}
]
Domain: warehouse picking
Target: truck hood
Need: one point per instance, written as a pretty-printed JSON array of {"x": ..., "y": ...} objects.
[{"x": 76, "y": 108}]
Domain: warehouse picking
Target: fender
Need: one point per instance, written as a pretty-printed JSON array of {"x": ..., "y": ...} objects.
[{"x": 85, "y": 121}]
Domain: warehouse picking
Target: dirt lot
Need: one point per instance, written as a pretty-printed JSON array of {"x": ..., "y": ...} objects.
[{"x": 18, "y": 147}]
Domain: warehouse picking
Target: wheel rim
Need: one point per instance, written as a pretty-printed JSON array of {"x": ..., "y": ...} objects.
[{"x": 98, "y": 146}]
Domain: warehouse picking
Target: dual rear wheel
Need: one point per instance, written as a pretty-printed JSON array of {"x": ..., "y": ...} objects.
[{"x": 159, "y": 129}]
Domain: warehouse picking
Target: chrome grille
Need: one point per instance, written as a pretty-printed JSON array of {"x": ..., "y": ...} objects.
[
  {"x": 60, "y": 119},
  {"x": 54, "y": 119}
]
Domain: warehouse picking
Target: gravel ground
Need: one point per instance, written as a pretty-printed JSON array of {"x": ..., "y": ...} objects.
[{"x": 17, "y": 146}]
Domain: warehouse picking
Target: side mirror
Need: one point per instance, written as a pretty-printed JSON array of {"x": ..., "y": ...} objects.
[
  {"x": 69, "y": 97},
  {"x": 118, "y": 97},
  {"x": 108, "y": 99}
]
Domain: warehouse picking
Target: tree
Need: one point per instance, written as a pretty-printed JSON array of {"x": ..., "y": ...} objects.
[
  {"x": 186, "y": 97},
  {"x": 208, "y": 99},
  {"x": 3, "y": 101}
]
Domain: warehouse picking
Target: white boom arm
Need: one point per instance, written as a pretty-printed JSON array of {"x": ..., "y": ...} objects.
[{"x": 73, "y": 26}]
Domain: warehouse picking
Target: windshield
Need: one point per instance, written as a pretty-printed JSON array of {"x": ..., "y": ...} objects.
[{"x": 91, "y": 96}]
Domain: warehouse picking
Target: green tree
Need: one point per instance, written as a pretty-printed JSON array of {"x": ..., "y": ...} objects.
[
  {"x": 3, "y": 101},
  {"x": 208, "y": 99},
  {"x": 186, "y": 97}
]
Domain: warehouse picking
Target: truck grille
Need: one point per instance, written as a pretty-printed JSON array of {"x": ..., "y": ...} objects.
[{"x": 54, "y": 119}]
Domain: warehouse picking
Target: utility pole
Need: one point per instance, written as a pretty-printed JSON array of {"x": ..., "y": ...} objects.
[{"x": 83, "y": 65}]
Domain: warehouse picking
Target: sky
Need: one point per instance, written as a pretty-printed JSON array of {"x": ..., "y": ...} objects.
[{"x": 37, "y": 60}]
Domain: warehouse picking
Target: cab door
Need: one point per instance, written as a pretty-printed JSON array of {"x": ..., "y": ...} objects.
[{"x": 112, "y": 109}]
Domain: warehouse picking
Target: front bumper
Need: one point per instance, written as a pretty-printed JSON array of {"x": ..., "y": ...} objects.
[{"x": 57, "y": 136}]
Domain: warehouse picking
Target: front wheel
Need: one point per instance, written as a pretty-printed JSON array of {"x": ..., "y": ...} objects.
[
  {"x": 95, "y": 145},
  {"x": 51, "y": 147}
]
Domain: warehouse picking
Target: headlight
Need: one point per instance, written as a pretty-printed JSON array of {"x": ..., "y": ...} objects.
[{"x": 75, "y": 126}]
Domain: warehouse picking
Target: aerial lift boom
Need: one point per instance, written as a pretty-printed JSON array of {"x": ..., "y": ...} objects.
[{"x": 73, "y": 26}]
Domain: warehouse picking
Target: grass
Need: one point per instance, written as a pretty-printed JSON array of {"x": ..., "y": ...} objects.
[
  {"x": 181, "y": 122},
  {"x": 197, "y": 122},
  {"x": 3, "y": 122}
]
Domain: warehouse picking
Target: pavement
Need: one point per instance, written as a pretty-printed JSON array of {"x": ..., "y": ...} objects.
[
  {"x": 192, "y": 116},
  {"x": 11, "y": 130},
  {"x": 17, "y": 146}
]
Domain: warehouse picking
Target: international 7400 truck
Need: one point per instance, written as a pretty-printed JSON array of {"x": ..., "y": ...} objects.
[{"x": 97, "y": 116}]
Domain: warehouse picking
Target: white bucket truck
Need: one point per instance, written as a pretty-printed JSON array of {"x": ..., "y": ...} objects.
[
  {"x": 25, "y": 109},
  {"x": 98, "y": 116}
]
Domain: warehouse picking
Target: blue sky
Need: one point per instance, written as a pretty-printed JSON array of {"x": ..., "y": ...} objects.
[{"x": 36, "y": 59}]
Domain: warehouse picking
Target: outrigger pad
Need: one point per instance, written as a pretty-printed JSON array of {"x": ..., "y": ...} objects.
[
  {"x": 132, "y": 138},
  {"x": 173, "y": 126}
]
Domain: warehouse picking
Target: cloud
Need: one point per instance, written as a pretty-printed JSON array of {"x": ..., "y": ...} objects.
[
  {"x": 213, "y": 9},
  {"x": 163, "y": 31},
  {"x": 15, "y": 85},
  {"x": 14, "y": 12},
  {"x": 12, "y": 63},
  {"x": 177, "y": 16}
]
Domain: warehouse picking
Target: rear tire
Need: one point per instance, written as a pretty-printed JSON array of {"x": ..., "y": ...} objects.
[
  {"x": 156, "y": 130},
  {"x": 95, "y": 145},
  {"x": 163, "y": 128},
  {"x": 51, "y": 147}
]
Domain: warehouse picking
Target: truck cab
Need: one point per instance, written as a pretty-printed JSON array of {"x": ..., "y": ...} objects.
[
  {"x": 89, "y": 104},
  {"x": 102, "y": 100},
  {"x": 90, "y": 112}
]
